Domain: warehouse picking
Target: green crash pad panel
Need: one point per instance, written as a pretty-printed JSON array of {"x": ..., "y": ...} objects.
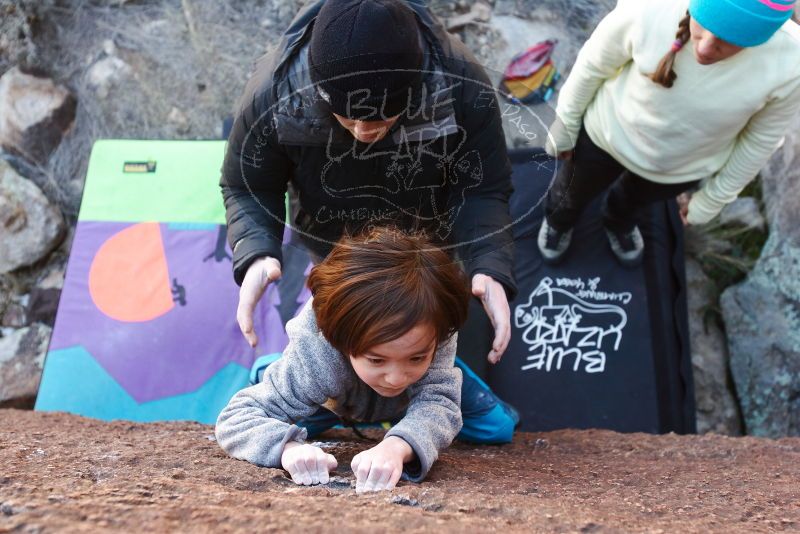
[{"x": 171, "y": 181}]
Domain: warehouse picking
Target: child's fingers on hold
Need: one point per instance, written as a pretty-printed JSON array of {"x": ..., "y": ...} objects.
[
  {"x": 354, "y": 463},
  {"x": 362, "y": 472},
  {"x": 310, "y": 460},
  {"x": 322, "y": 467},
  {"x": 386, "y": 477},
  {"x": 332, "y": 462},
  {"x": 296, "y": 470},
  {"x": 297, "y": 475},
  {"x": 395, "y": 478},
  {"x": 315, "y": 467},
  {"x": 359, "y": 484},
  {"x": 374, "y": 478}
]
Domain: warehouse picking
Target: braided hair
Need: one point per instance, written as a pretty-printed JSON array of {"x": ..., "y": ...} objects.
[{"x": 664, "y": 75}]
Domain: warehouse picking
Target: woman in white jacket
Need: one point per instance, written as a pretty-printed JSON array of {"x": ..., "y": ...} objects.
[{"x": 646, "y": 126}]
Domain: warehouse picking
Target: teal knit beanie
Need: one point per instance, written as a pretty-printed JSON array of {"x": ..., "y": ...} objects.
[{"x": 742, "y": 22}]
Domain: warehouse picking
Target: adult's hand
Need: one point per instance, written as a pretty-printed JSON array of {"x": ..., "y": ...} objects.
[
  {"x": 307, "y": 464},
  {"x": 259, "y": 275},
  {"x": 495, "y": 302},
  {"x": 683, "y": 207}
]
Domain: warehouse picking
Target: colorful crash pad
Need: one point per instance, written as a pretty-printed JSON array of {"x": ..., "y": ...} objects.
[{"x": 146, "y": 326}]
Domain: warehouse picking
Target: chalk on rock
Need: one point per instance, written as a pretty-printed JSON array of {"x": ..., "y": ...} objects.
[
  {"x": 340, "y": 483},
  {"x": 404, "y": 500}
]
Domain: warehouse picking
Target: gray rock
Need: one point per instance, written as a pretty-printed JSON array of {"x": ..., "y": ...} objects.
[
  {"x": 699, "y": 242},
  {"x": 404, "y": 500},
  {"x": 14, "y": 316},
  {"x": 762, "y": 314},
  {"x": 479, "y": 12},
  {"x": 22, "y": 355},
  {"x": 780, "y": 180},
  {"x": 16, "y": 34},
  {"x": 106, "y": 73},
  {"x": 717, "y": 410},
  {"x": 179, "y": 119},
  {"x": 34, "y": 115},
  {"x": 109, "y": 47},
  {"x": 30, "y": 227},
  {"x": 762, "y": 320},
  {"x": 52, "y": 276},
  {"x": 743, "y": 211},
  {"x": 43, "y": 305}
]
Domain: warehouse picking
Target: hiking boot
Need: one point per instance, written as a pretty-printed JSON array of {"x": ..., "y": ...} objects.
[
  {"x": 628, "y": 247},
  {"x": 553, "y": 244}
]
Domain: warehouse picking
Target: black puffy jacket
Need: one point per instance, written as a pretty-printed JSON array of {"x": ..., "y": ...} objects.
[{"x": 443, "y": 166}]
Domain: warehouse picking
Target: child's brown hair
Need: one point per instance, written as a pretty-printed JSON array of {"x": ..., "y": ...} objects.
[
  {"x": 664, "y": 74},
  {"x": 375, "y": 287}
]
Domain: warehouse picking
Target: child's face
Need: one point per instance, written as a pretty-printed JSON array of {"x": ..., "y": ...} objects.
[
  {"x": 389, "y": 368},
  {"x": 708, "y": 48}
]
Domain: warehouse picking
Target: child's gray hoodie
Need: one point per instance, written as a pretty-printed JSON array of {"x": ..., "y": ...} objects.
[{"x": 259, "y": 420}]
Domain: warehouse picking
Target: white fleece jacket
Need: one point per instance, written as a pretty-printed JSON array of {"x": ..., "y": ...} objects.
[{"x": 719, "y": 123}]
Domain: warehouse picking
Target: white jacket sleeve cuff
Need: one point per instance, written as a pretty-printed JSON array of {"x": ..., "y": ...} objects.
[
  {"x": 702, "y": 208},
  {"x": 561, "y": 137}
]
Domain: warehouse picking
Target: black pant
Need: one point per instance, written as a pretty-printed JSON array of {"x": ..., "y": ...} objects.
[{"x": 590, "y": 172}]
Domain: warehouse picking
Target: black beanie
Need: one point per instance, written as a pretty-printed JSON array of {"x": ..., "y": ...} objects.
[{"x": 368, "y": 52}]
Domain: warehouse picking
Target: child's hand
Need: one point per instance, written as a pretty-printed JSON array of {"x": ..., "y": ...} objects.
[
  {"x": 307, "y": 464},
  {"x": 380, "y": 467}
]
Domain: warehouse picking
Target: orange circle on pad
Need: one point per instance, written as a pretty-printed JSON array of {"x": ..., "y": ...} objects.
[{"x": 129, "y": 279}]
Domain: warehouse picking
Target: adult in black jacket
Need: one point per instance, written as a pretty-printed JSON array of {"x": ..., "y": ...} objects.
[{"x": 375, "y": 115}]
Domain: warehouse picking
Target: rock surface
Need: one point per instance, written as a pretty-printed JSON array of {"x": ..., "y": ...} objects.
[
  {"x": 14, "y": 315},
  {"x": 106, "y": 73},
  {"x": 21, "y": 361},
  {"x": 16, "y": 34},
  {"x": 717, "y": 410},
  {"x": 743, "y": 211},
  {"x": 30, "y": 227},
  {"x": 519, "y": 24},
  {"x": 781, "y": 184},
  {"x": 762, "y": 320},
  {"x": 762, "y": 314},
  {"x": 67, "y": 473},
  {"x": 34, "y": 115}
]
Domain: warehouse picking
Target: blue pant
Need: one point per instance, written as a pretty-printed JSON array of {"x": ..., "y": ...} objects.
[{"x": 487, "y": 419}]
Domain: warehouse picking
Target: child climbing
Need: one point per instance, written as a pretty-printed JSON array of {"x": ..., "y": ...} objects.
[
  {"x": 376, "y": 342},
  {"x": 648, "y": 113}
]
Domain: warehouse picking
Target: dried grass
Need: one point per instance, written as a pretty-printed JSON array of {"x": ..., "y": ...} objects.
[{"x": 193, "y": 56}]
